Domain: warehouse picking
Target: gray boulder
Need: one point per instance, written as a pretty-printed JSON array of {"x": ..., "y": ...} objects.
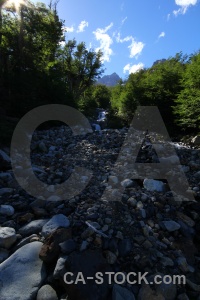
[
  {"x": 22, "y": 273},
  {"x": 154, "y": 185},
  {"x": 33, "y": 227},
  {"x": 120, "y": 293},
  {"x": 54, "y": 223},
  {"x": 170, "y": 225},
  {"x": 7, "y": 237},
  {"x": 127, "y": 183},
  {"x": 46, "y": 292},
  {"x": 6, "y": 210}
]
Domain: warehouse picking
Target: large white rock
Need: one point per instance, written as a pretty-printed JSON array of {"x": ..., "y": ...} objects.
[
  {"x": 196, "y": 140},
  {"x": 126, "y": 183},
  {"x": 33, "y": 227},
  {"x": 22, "y": 273},
  {"x": 7, "y": 237},
  {"x": 154, "y": 185},
  {"x": 46, "y": 292},
  {"x": 54, "y": 223}
]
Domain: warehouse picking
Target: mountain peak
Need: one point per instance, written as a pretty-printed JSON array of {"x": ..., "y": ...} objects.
[{"x": 109, "y": 80}]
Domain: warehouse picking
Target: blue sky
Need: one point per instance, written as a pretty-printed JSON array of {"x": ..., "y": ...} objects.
[{"x": 133, "y": 34}]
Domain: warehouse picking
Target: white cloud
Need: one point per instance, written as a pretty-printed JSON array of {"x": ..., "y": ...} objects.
[
  {"x": 168, "y": 17},
  {"x": 186, "y": 2},
  {"x": 68, "y": 29},
  {"x": 124, "y": 20},
  {"x": 62, "y": 44},
  {"x": 135, "y": 47},
  {"x": 133, "y": 68},
  {"x": 184, "y": 5},
  {"x": 82, "y": 25},
  {"x": 105, "y": 40},
  {"x": 161, "y": 35}
]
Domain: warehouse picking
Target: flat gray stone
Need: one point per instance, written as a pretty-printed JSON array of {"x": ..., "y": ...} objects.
[
  {"x": 172, "y": 160},
  {"x": 164, "y": 291},
  {"x": 166, "y": 261},
  {"x": 6, "y": 210},
  {"x": 68, "y": 246},
  {"x": 171, "y": 225},
  {"x": 132, "y": 201},
  {"x": 42, "y": 147},
  {"x": 25, "y": 241},
  {"x": 121, "y": 293},
  {"x": 153, "y": 185},
  {"x": 60, "y": 269},
  {"x": 46, "y": 292},
  {"x": 7, "y": 237},
  {"x": 39, "y": 202},
  {"x": 5, "y": 176},
  {"x": 114, "y": 179},
  {"x": 22, "y": 273},
  {"x": 54, "y": 223},
  {"x": 54, "y": 198},
  {"x": 6, "y": 191},
  {"x": 33, "y": 227},
  {"x": 126, "y": 183},
  {"x": 182, "y": 263},
  {"x": 168, "y": 291}
]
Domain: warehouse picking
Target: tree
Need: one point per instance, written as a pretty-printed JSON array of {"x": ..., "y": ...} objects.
[
  {"x": 158, "y": 86},
  {"x": 187, "y": 108},
  {"x": 81, "y": 67},
  {"x": 101, "y": 95},
  {"x": 30, "y": 39}
]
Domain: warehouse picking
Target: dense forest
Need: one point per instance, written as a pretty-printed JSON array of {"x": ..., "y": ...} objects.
[{"x": 38, "y": 66}]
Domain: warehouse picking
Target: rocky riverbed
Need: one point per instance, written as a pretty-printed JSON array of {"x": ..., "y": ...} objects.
[{"x": 42, "y": 238}]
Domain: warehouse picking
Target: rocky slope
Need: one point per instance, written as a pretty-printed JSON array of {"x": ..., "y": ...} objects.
[{"x": 146, "y": 231}]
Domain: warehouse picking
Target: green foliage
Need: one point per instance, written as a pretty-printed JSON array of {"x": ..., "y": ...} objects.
[
  {"x": 101, "y": 94},
  {"x": 187, "y": 108},
  {"x": 158, "y": 86},
  {"x": 80, "y": 67},
  {"x": 28, "y": 44},
  {"x": 35, "y": 67}
]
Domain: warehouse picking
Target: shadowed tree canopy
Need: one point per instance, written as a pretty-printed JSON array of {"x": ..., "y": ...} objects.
[
  {"x": 81, "y": 67},
  {"x": 158, "y": 86},
  {"x": 187, "y": 108},
  {"x": 37, "y": 66}
]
